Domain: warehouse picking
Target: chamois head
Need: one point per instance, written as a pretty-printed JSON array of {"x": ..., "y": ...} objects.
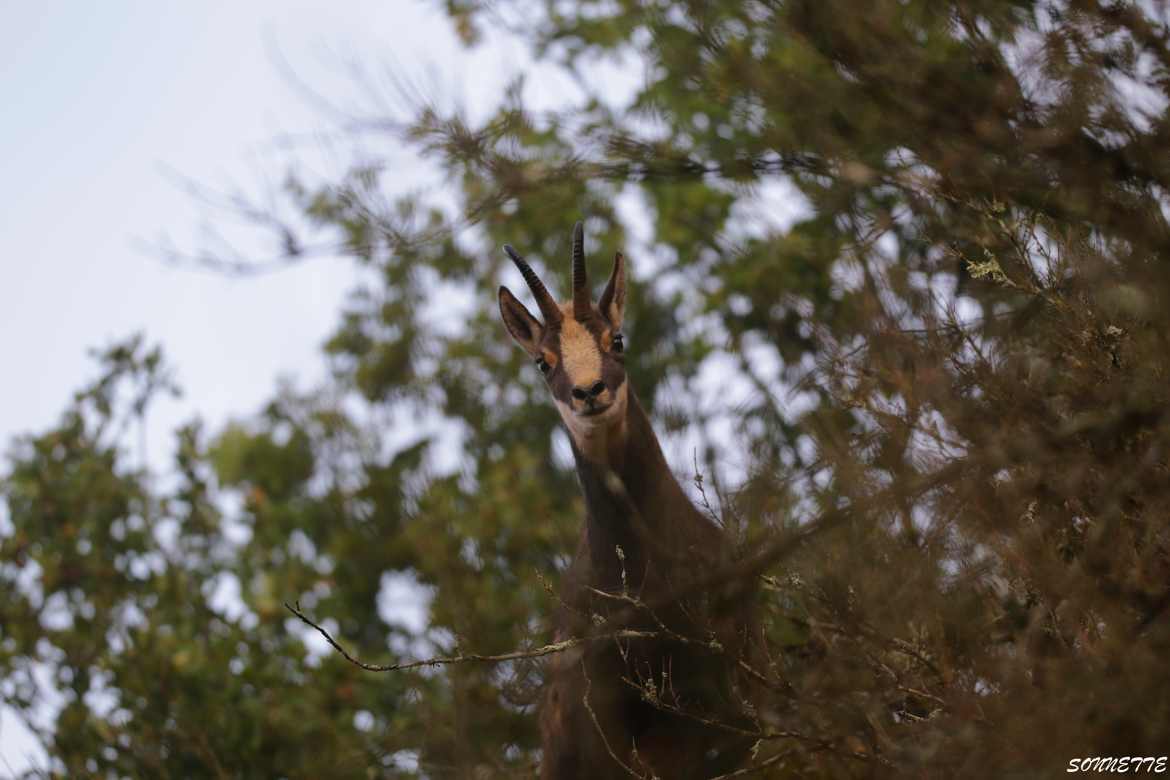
[{"x": 579, "y": 346}]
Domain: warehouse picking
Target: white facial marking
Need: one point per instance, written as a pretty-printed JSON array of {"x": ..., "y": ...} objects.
[
  {"x": 582, "y": 360},
  {"x": 595, "y": 434}
]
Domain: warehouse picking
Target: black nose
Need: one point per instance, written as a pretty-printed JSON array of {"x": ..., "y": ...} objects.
[{"x": 581, "y": 393}]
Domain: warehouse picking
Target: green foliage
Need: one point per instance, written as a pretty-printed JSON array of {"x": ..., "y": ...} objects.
[{"x": 952, "y": 350}]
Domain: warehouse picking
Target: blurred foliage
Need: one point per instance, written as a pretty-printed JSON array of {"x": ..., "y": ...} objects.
[{"x": 950, "y": 328}]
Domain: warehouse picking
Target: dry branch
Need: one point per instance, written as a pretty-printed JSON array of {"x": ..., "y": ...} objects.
[{"x": 515, "y": 655}]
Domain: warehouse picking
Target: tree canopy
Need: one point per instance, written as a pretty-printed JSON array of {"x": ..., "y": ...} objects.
[{"x": 898, "y": 306}]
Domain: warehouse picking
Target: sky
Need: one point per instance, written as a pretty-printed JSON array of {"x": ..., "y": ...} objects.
[
  {"x": 99, "y": 101},
  {"x": 104, "y": 103}
]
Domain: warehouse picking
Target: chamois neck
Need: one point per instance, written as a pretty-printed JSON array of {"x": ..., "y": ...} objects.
[
  {"x": 632, "y": 500},
  {"x": 627, "y": 449}
]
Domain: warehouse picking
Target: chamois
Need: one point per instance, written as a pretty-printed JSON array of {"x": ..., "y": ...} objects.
[{"x": 620, "y": 707}]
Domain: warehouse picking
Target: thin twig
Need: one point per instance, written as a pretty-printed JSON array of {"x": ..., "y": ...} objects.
[
  {"x": 747, "y": 770},
  {"x": 597, "y": 724},
  {"x": 515, "y": 655},
  {"x": 698, "y": 480},
  {"x": 711, "y": 645}
]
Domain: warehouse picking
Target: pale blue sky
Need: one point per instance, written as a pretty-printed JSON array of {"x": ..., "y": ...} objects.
[{"x": 96, "y": 99}]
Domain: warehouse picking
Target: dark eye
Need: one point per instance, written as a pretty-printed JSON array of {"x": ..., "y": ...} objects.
[
  {"x": 543, "y": 365},
  {"x": 619, "y": 344}
]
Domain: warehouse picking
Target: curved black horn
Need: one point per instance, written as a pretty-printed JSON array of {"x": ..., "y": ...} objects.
[
  {"x": 580, "y": 281},
  {"x": 548, "y": 306}
]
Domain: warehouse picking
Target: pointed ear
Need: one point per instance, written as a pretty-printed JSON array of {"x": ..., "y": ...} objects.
[
  {"x": 525, "y": 329},
  {"x": 613, "y": 300}
]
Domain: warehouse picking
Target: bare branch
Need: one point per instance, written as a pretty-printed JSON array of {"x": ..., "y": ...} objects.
[
  {"x": 748, "y": 770},
  {"x": 597, "y": 723},
  {"x": 515, "y": 655}
]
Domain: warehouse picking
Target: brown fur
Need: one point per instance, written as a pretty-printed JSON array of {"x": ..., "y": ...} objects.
[
  {"x": 640, "y": 507},
  {"x": 595, "y": 714}
]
